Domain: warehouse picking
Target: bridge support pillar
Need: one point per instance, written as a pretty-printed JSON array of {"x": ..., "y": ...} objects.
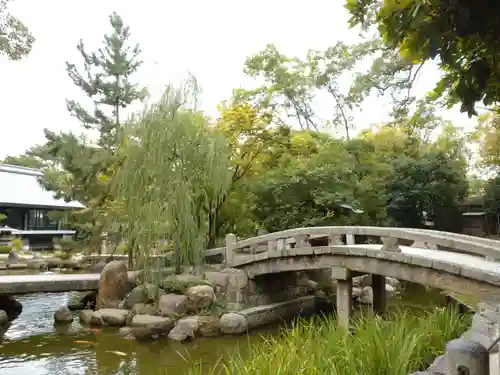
[
  {"x": 379, "y": 294},
  {"x": 344, "y": 302}
]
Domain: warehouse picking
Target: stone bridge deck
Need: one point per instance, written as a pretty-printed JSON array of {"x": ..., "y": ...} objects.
[{"x": 24, "y": 284}]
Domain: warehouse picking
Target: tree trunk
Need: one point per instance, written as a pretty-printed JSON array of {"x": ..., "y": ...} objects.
[
  {"x": 177, "y": 260},
  {"x": 212, "y": 231},
  {"x": 130, "y": 253}
]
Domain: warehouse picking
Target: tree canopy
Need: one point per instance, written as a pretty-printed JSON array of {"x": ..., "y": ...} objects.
[{"x": 463, "y": 36}]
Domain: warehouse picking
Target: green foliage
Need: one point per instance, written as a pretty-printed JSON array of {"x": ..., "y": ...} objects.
[
  {"x": 85, "y": 170},
  {"x": 2, "y": 217},
  {"x": 429, "y": 184},
  {"x": 17, "y": 244},
  {"x": 5, "y": 249},
  {"x": 15, "y": 38},
  {"x": 65, "y": 243},
  {"x": 461, "y": 34},
  {"x": 401, "y": 345},
  {"x": 175, "y": 169},
  {"x": 176, "y": 286}
]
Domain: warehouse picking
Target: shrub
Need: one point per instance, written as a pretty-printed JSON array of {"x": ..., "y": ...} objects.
[
  {"x": 401, "y": 345},
  {"x": 5, "y": 249},
  {"x": 63, "y": 255},
  {"x": 17, "y": 244}
]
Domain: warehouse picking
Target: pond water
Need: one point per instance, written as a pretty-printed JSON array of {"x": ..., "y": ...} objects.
[{"x": 32, "y": 345}]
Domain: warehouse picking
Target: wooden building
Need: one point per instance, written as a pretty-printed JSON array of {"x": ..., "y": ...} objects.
[{"x": 26, "y": 205}]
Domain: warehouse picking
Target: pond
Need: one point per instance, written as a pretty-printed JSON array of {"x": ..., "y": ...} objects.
[{"x": 33, "y": 345}]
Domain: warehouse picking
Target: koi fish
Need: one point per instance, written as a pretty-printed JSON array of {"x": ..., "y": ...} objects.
[
  {"x": 121, "y": 354},
  {"x": 84, "y": 342}
]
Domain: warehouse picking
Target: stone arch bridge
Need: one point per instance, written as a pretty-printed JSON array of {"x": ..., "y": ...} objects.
[{"x": 448, "y": 261}]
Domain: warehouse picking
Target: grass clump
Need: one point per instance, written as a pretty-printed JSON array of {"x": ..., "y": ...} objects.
[{"x": 399, "y": 345}]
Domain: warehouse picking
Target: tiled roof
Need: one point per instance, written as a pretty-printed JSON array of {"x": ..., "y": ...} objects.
[{"x": 20, "y": 186}]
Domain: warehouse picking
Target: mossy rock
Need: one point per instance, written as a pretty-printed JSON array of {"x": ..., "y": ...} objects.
[{"x": 179, "y": 284}]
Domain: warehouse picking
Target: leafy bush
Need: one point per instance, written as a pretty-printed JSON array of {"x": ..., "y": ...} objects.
[
  {"x": 401, "y": 345},
  {"x": 17, "y": 244},
  {"x": 5, "y": 249},
  {"x": 63, "y": 255}
]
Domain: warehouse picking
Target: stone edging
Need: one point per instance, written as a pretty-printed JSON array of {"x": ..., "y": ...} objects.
[{"x": 484, "y": 330}]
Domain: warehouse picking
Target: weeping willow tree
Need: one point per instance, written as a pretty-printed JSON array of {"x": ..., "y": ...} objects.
[{"x": 175, "y": 166}]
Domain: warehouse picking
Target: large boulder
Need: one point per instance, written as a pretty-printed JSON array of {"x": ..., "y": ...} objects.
[
  {"x": 219, "y": 280},
  {"x": 86, "y": 317},
  {"x": 4, "y": 319},
  {"x": 208, "y": 325},
  {"x": 200, "y": 297},
  {"x": 233, "y": 324},
  {"x": 144, "y": 309},
  {"x": 184, "y": 329},
  {"x": 83, "y": 300},
  {"x": 150, "y": 327},
  {"x": 12, "y": 307},
  {"x": 113, "y": 285},
  {"x": 173, "y": 304},
  {"x": 147, "y": 293},
  {"x": 63, "y": 315},
  {"x": 110, "y": 317}
]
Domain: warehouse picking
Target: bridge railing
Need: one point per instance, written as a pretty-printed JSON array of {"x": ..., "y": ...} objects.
[{"x": 390, "y": 237}]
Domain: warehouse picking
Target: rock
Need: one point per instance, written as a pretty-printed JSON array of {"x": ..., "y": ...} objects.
[
  {"x": 392, "y": 282},
  {"x": 217, "y": 279},
  {"x": 13, "y": 257},
  {"x": 357, "y": 292},
  {"x": 86, "y": 316},
  {"x": 366, "y": 297},
  {"x": 70, "y": 264},
  {"x": 170, "y": 304},
  {"x": 98, "y": 267},
  {"x": 311, "y": 284},
  {"x": 361, "y": 281},
  {"x": 113, "y": 285},
  {"x": 200, "y": 297},
  {"x": 143, "y": 294},
  {"x": 126, "y": 333},
  {"x": 232, "y": 323},
  {"x": 150, "y": 327},
  {"x": 390, "y": 290},
  {"x": 12, "y": 307},
  {"x": 4, "y": 319},
  {"x": 63, "y": 315},
  {"x": 208, "y": 326},
  {"x": 111, "y": 317},
  {"x": 144, "y": 309},
  {"x": 17, "y": 266},
  {"x": 81, "y": 301},
  {"x": 184, "y": 329},
  {"x": 36, "y": 264}
]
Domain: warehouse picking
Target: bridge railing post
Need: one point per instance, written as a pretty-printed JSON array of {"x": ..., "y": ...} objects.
[
  {"x": 466, "y": 358},
  {"x": 230, "y": 247}
]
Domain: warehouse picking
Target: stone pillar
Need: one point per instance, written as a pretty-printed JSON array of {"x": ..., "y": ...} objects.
[
  {"x": 237, "y": 285},
  {"x": 344, "y": 302},
  {"x": 466, "y": 358},
  {"x": 379, "y": 294},
  {"x": 230, "y": 241},
  {"x": 349, "y": 239}
]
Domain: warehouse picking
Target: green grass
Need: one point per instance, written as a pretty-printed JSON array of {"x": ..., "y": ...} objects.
[{"x": 399, "y": 345}]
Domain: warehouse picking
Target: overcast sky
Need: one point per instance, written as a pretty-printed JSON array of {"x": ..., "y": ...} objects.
[{"x": 208, "y": 38}]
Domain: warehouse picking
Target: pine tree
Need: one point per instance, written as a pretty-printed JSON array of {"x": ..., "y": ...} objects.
[
  {"x": 107, "y": 83},
  {"x": 88, "y": 168}
]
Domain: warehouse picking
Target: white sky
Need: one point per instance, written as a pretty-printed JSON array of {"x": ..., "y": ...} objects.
[{"x": 211, "y": 39}]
